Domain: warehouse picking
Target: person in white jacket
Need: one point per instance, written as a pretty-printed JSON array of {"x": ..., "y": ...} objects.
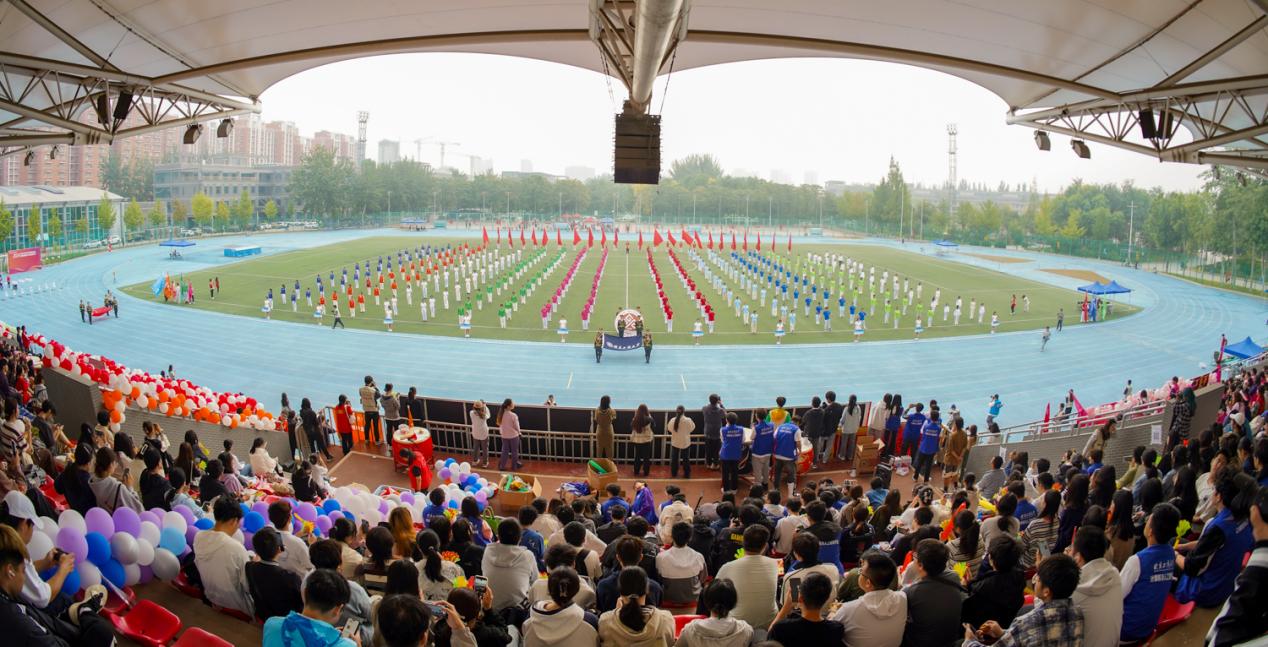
[
  {"x": 879, "y": 617},
  {"x": 559, "y": 621},
  {"x": 221, "y": 559},
  {"x": 511, "y": 568},
  {"x": 560, "y": 556},
  {"x": 1100, "y": 591},
  {"x": 719, "y": 629}
]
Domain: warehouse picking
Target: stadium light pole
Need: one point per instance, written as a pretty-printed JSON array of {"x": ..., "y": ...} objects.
[{"x": 389, "y": 205}]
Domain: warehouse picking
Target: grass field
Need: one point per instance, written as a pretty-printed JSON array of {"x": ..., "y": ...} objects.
[{"x": 244, "y": 285}]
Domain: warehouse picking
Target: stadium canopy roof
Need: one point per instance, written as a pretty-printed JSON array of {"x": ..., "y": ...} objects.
[
  {"x": 177, "y": 243},
  {"x": 1199, "y": 68},
  {"x": 1098, "y": 288},
  {"x": 1244, "y": 349}
]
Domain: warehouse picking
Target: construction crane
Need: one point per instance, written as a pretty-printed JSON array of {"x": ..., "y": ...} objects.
[{"x": 418, "y": 143}]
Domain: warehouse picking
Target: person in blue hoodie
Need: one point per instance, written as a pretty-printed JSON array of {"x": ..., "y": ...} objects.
[
  {"x": 787, "y": 448},
  {"x": 325, "y": 594},
  {"x": 614, "y": 498},
  {"x": 914, "y": 422},
  {"x": 729, "y": 454},
  {"x": 763, "y": 445},
  {"x": 1210, "y": 565},
  {"x": 1147, "y": 575},
  {"x": 930, "y": 437},
  {"x": 435, "y": 505},
  {"x": 531, "y": 539}
]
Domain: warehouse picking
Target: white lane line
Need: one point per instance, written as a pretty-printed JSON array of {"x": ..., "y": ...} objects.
[
  {"x": 684, "y": 381},
  {"x": 569, "y": 386}
]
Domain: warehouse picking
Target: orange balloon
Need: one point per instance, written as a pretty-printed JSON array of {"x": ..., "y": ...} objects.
[
  {"x": 136, "y": 392},
  {"x": 115, "y": 416},
  {"x": 162, "y": 396},
  {"x": 152, "y": 404}
]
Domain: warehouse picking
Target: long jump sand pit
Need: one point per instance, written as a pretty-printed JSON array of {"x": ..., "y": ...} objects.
[
  {"x": 999, "y": 259},
  {"x": 1083, "y": 275}
]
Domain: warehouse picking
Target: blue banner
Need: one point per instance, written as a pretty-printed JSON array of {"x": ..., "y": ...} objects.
[{"x": 615, "y": 342}]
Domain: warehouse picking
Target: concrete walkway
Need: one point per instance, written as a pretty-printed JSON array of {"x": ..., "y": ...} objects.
[{"x": 1177, "y": 331}]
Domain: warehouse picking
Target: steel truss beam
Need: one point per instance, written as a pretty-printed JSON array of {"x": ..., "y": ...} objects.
[{"x": 637, "y": 40}]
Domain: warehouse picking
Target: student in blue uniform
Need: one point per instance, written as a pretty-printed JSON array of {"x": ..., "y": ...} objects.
[
  {"x": 763, "y": 445},
  {"x": 729, "y": 455},
  {"x": 787, "y": 450}
]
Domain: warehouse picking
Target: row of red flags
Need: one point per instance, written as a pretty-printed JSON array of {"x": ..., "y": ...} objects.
[{"x": 690, "y": 239}]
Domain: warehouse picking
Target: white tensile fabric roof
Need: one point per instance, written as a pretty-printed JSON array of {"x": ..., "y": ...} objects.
[{"x": 1031, "y": 53}]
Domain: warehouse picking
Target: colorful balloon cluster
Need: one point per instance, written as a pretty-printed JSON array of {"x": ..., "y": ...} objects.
[
  {"x": 460, "y": 482},
  {"x": 122, "y": 387}
]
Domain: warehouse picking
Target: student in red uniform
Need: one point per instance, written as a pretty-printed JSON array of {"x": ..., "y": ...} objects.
[
  {"x": 419, "y": 472},
  {"x": 343, "y": 423}
]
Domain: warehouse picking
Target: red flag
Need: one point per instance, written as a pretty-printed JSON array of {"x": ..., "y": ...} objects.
[
  {"x": 745, "y": 241},
  {"x": 686, "y": 237},
  {"x": 790, "y": 242},
  {"x": 772, "y": 242},
  {"x": 710, "y": 240},
  {"x": 603, "y": 242},
  {"x": 672, "y": 242},
  {"x": 656, "y": 238},
  {"x": 616, "y": 237},
  {"x": 510, "y": 242},
  {"x": 559, "y": 238},
  {"x": 640, "y": 240},
  {"x": 589, "y": 237},
  {"x": 576, "y": 236},
  {"x": 759, "y": 241},
  {"x": 699, "y": 245},
  {"x": 1047, "y": 413},
  {"x": 534, "y": 236},
  {"x": 485, "y": 232},
  {"x": 732, "y": 241},
  {"x": 522, "y": 238}
]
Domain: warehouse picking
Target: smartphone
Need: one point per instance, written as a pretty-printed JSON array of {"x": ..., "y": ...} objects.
[
  {"x": 350, "y": 628},
  {"x": 436, "y": 610},
  {"x": 480, "y": 583},
  {"x": 794, "y": 589},
  {"x": 1044, "y": 550}
]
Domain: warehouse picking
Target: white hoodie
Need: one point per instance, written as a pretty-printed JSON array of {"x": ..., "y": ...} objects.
[
  {"x": 877, "y": 618},
  {"x": 1100, "y": 596},
  {"x": 565, "y": 627},
  {"x": 715, "y": 632},
  {"x": 221, "y": 560},
  {"x": 511, "y": 571}
]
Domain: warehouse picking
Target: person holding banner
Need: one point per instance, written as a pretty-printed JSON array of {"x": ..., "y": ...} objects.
[{"x": 598, "y": 346}]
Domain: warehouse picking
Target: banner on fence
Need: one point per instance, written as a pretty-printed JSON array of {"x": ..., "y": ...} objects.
[
  {"x": 25, "y": 260},
  {"x": 617, "y": 342}
]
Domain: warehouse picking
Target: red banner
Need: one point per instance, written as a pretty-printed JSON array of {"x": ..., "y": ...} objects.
[{"x": 25, "y": 260}]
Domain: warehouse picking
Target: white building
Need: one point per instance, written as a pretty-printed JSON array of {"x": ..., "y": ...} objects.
[{"x": 389, "y": 152}]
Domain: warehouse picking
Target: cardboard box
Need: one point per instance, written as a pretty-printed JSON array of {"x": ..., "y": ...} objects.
[
  {"x": 865, "y": 465},
  {"x": 600, "y": 481},
  {"x": 511, "y": 502}
]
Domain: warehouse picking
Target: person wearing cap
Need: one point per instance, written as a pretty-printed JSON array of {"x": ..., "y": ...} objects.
[
  {"x": 18, "y": 513},
  {"x": 24, "y": 624}
]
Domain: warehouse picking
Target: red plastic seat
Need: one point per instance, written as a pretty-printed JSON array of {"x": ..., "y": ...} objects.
[
  {"x": 681, "y": 621},
  {"x": 116, "y": 604},
  {"x": 181, "y": 583},
  {"x": 234, "y": 613},
  {"x": 1173, "y": 613},
  {"x": 195, "y": 637},
  {"x": 146, "y": 623}
]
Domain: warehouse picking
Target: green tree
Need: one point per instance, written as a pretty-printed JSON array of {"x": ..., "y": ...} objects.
[
  {"x": 222, "y": 213},
  {"x": 244, "y": 210},
  {"x": 6, "y": 223},
  {"x": 105, "y": 216},
  {"x": 203, "y": 208},
  {"x": 34, "y": 225},
  {"x": 55, "y": 225},
  {"x": 180, "y": 216},
  {"x": 891, "y": 199},
  {"x": 696, "y": 170},
  {"x": 81, "y": 226},
  {"x": 270, "y": 211},
  {"x": 133, "y": 216},
  {"x": 157, "y": 216},
  {"x": 1072, "y": 228}
]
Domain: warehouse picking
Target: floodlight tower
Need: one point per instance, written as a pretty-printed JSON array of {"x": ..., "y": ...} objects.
[
  {"x": 363, "y": 118},
  {"x": 953, "y": 182}
]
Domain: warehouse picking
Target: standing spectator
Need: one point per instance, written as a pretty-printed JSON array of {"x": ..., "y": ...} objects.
[
  {"x": 412, "y": 407},
  {"x": 1100, "y": 591},
  {"x": 851, "y": 420},
  {"x": 934, "y": 602},
  {"x": 913, "y": 422},
  {"x": 680, "y": 428},
  {"x": 510, "y": 567},
  {"x": 1055, "y": 623},
  {"x": 993, "y": 409},
  {"x": 479, "y": 415},
  {"x": 787, "y": 448},
  {"x": 930, "y": 439},
  {"x": 641, "y": 439},
  {"x": 714, "y": 415},
  {"x": 732, "y": 445},
  {"x": 754, "y": 576},
  {"x": 390, "y": 408},
  {"x": 370, "y": 411},
  {"x": 832, "y": 413},
  {"x": 810, "y": 627},
  {"x": 635, "y": 622},
  {"x": 559, "y": 621},
  {"x": 879, "y": 617},
  {"x": 342, "y": 413},
  {"x": 1181, "y": 417},
  {"x": 604, "y": 437},
  {"x": 719, "y": 629},
  {"x": 325, "y": 594},
  {"x": 275, "y": 590},
  {"x": 812, "y": 422},
  {"x": 1147, "y": 575},
  {"x": 760, "y": 451},
  {"x": 509, "y": 428},
  {"x": 312, "y": 429},
  {"x": 221, "y": 559},
  {"x": 955, "y": 446}
]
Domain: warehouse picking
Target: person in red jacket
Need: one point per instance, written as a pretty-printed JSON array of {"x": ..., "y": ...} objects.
[{"x": 417, "y": 469}]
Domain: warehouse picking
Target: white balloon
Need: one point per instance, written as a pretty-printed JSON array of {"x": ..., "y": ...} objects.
[
  {"x": 166, "y": 566},
  {"x": 372, "y": 517},
  {"x": 131, "y": 573},
  {"x": 39, "y": 545},
  {"x": 47, "y": 526},
  {"x": 173, "y": 519},
  {"x": 124, "y": 548},
  {"x": 90, "y": 575},
  {"x": 144, "y": 552},
  {"x": 150, "y": 532},
  {"x": 70, "y": 518}
]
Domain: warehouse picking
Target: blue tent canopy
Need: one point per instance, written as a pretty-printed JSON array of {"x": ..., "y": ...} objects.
[
  {"x": 1099, "y": 289},
  {"x": 1114, "y": 288},
  {"x": 1244, "y": 349},
  {"x": 177, "y": 243},
  {"x": 945, "y": 243}
]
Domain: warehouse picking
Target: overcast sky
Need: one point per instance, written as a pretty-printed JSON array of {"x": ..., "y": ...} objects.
[{"x": 833, "y": 119}]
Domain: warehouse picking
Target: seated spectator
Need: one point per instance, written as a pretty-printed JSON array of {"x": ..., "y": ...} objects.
[
  {"x": 856, "y": 536},
  {"x": 402, "y": 579},
  {"x": 510, "y": 568},
  {"x": 629, "y": 552},
  {"x": 755, "y": 577},
  {"x": 877, "y": 492},
  {"x": 294, "y": 549},
  {"x": 1244, "y": 615},
  {"x": 934, "y": 602},
  {"x": 1210, "y": 565},
  {"x": 677, "y": 511},
  {"x": 615, "y": 527},
  {"x": 614, "y": 499},
  {"x": 547, "y": 523},
  {"x": 559, "y": 621},
  {"x": 529, "y": 538},
  {"x": 262, "y": 464},
  {"x": 1147, "y": 575},
  {"x": 1055, "y": 623},
  {"x": 637, "y": 527},
  {"x": 437, "y": 575},
  {"x": 1100, "y": 591},
  {"x": 993, "y": 479},
  {"x": 810, "y": 627},
  {"x": 1039, "y": 537},
  {"x": 372, "y": 573},
  {"x": 186, "y": 461},
  {"x": 73, "y": 482},
  {"x": 1004, "y": 523},
  {"x": 968, "y": 547},
  {"x": 404, "y": 621},
  {"x": 155, "y": 487},
  {"x": 470, "y": 554},
  {"x": 828, "y": 533},
  {"x": 325, "y": 594},
  {"x": 806, "y": 560},
  {"x": 879, "y": 616},
  {"x": 435, "y": 505},
  {"x": 635, "y": 622},
  {"x": 788, "y": 527},
  {"x": 230, "y": 479},
  {"x": 561, "y": 556},
  {"x": 488, "y": 628},
  {"x": 681, "y": 568},
  {"x": 210, "y": 485},
  {"x": 304, "y": 481},
  {"x": 26, "y": 624},
  {"x": 588, "y": 564},
  {"x": 110, "y": 492},
  {"x": 221, "y": 559},
  {"x": 345, "y": 532},
  {"x": 773, "y": 509},
  {"x": 326, "y": 555},
  {"x": 998, "y": 593},
  {"x": 275, "y": 590},
  {"x": 905, "y": 542},
  {"x": 719, "y": 629},
  {"x": 18, "y": 513}
]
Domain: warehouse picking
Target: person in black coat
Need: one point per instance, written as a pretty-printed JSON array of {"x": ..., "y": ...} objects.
[
  {"x": 155, "y": 487},
  {"x": 313, "y": 429},
  {"x": 997, "y": 593},
  {"x": 72, "y": 483},
  {"x": 275, "y": 590}
]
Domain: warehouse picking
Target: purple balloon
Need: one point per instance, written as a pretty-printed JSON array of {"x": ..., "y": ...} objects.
[
  {"x": 407, "y": 498},
  {"x": 159, "y": 512},
  {"x": 383, "y": 509},
  {"x": 99, "y": 521},
  {"x": 190, "y": 531},
  {"x": 184, "y": 510},
  {"x": 262, "y": 508},
  {"x": 246, "y": 539},
  {"x": 72, "y": 541},
  {"x": 324, "y": 523},
  {"x": 445, "y": 473},
  {"x": 147, "y": 574},
  {"x": 127, "y": 521},
  {"x": 335, "y": 515},
  {"x": 152, "y": 517},
  {"x": 306, "y": 511}
]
